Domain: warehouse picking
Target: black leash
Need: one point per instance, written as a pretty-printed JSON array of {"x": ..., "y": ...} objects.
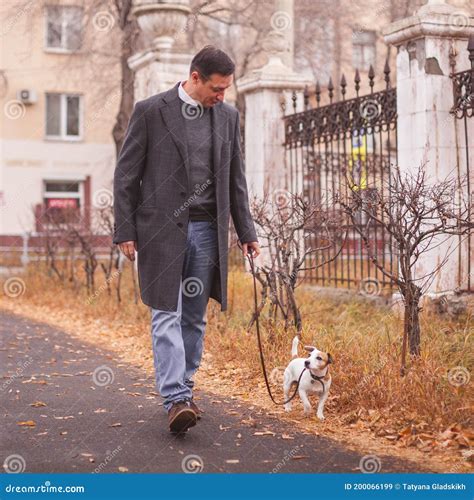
[{"x": 262, "y": 360}]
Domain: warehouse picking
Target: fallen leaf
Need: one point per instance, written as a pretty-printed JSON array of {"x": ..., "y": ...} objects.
[
  {"x": 287, "y": 436},
  {"x": 233, "y": 461},
  {"x": 264, "y": 433},
  {"x": 27, "y": 423},
  {"x": 117, "y": 424},
  {"x": 123, "y": 469},
  {"x": 36, "y": 404}
]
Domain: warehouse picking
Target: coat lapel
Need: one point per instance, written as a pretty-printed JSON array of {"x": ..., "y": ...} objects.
[
  {"x": 217, "y": 121},
  {"x": 174, "y": 122}
]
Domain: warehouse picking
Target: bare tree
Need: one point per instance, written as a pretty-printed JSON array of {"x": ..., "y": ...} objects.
[
  {"x": 295, "y": 233},
  {"x": 420, "y": 216}
]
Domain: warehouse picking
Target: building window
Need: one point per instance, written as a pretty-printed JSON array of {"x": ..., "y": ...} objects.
[
  {"x": 63, "y": 116},
  {"x": 363, "y": 49},
  {"x": 63, "y": 28},
  {"x": 62, "y": 201}
]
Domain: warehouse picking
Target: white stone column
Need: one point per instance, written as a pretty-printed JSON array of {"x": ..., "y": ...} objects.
[
  {"x": 159, "y": 67},
  {"x": 267, "y": 92},
  {"x": 428, "y": 43},
  {"x": 266, "y": 89}
]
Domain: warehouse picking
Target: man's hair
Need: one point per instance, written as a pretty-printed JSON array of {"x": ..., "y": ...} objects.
[{"x": 210, "y": 60}]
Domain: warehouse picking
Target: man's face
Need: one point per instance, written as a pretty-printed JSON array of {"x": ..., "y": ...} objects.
[{"x": 212, "y": 90}]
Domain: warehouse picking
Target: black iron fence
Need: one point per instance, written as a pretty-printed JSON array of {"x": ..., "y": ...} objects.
[
  {"x": 336, "y": 147},
  {"x": 463, "y": 110}
]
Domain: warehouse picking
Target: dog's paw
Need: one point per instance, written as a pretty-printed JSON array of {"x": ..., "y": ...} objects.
[
  {"x": 287, "y": 408},
  {"x": 321, "y": 416}
]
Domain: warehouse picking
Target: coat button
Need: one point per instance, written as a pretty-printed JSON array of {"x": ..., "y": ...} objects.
[{"x": 180, "y": 224}]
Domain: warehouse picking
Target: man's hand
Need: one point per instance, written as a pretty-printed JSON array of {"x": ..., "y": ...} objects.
[
  {"x": 128, "y": 248},
  {"x": 251, "y": 247}
]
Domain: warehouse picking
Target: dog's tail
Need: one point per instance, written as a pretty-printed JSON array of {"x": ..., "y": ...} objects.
[{"x": 294, "y": 347}]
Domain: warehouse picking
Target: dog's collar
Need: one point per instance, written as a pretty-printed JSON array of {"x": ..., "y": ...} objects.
[{"x": 319, "y": 378}]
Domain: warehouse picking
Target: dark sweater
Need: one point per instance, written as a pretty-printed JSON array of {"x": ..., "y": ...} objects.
[{"x": 201, "y": 183}]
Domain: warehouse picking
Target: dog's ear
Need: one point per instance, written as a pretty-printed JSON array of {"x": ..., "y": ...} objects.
[
  {"x": 330, "y": 360},
  {"x": 309, "y": 348}
]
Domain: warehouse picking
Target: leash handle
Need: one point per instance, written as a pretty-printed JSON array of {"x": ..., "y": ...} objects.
[{"x": 262, "y": 359}]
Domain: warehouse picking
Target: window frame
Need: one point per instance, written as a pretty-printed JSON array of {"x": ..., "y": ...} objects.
[
  {"x": 361, "y": 47},
  {"x": 61, "y": 50},
  {"x": 63, "y": 136}
]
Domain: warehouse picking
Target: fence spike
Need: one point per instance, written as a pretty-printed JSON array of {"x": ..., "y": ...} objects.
[
  {"x": 357, "y": 81},
  {"x": 386, "y": 71},
  {"x": 318, "y": 93},
  {"x": 331, "y": 89},
  {"x": 343, "y": 85},
  {"x": 470, "y": 48},
  {"x": 306, "y": 97},
  {"x": 371, "y": 77}
]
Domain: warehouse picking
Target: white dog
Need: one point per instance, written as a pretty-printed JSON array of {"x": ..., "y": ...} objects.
[{"x": 315, "y": 379}]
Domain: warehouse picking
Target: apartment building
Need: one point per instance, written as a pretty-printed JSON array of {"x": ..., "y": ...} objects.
[{"x": 59, "y": 90}]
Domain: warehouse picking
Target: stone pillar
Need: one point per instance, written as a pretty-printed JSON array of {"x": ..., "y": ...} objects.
[
  {"x": 429, "y": 44},
  {"x": 267, "y": 91},
  {"x": 159, "y": 67}
]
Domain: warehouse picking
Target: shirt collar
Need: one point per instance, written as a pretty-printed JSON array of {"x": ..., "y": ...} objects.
[{"x": 184, "y": 96}]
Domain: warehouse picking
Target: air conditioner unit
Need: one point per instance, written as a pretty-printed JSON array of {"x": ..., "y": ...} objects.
[{"x": 27, "y": 96}]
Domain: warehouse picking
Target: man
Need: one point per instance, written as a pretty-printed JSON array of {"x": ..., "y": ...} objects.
[{"x": 178, "y": 177}]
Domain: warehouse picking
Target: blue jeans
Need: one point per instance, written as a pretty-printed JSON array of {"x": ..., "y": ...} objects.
[{"x": 178, "y": 336}]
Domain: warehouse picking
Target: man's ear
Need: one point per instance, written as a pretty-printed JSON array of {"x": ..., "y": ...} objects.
[
  {"x": 330, "y": 360},
  {"x": 309, "y": 348}
]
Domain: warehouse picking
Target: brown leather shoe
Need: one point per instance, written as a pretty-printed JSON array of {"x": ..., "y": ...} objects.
[
  {"x": 197, "y": 411},
  {"x": 181, "y": 417}
]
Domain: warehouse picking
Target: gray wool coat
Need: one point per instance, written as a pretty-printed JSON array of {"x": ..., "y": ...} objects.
[{"x": 152, "y": 194}]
